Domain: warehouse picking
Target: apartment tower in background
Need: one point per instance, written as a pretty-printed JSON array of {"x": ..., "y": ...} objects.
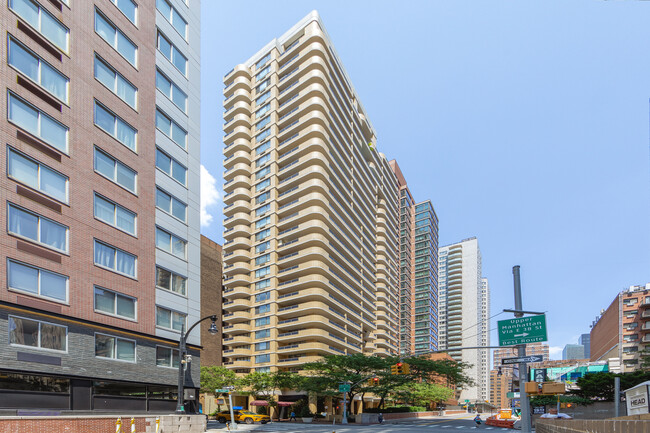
[
  {"x": 100, "y": 241},
  {"x": 418, "y": 271},
  {"x": 585, "y": 340},
  {"x": 310, "y": 237},
  {"x": 463, "y": 312}
]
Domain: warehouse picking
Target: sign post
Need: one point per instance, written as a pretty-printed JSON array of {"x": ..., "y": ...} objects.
[
  {"x": 530, "y": 358},
  {"x": 344, "y": 388}
]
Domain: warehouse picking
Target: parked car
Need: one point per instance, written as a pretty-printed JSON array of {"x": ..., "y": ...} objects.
[{"x": 243, "y": 416}]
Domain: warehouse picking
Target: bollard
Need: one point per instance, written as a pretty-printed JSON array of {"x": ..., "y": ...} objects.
[
  {"x": 228, "y": 426},
  {"x": 133, "y": 425},
  {"x": 118, "y": 425},
  {"x": 157, "y": 424}
]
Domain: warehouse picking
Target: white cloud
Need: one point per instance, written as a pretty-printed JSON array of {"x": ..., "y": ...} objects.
[
  {"x": 209, "y": 195},
  {"x": 555, "y": 352}
]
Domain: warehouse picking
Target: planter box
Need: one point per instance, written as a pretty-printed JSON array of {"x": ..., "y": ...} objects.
[{"x": 307, "y": 420}]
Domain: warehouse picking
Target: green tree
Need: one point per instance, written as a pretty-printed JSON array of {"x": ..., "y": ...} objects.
[
  {"x": 421, "y": 393},
  {"x": 600, "y": 386},
  {"x": 266, "y": 385},
  {"x": 550, "y": 400},
  {"x": 216, "y": 377}
]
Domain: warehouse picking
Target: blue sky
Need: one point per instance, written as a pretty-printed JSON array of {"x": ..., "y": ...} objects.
[{"x": 525, "y": 123}]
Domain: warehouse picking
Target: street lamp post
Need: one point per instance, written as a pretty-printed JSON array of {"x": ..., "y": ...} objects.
[{"x": 180, "y": 408}]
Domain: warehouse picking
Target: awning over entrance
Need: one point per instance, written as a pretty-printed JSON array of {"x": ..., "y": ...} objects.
[
  {"x": 285, "y": 403},
  {"x": 259, "y": 403}
]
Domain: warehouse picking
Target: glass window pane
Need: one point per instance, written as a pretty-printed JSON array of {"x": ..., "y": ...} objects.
[
  {"x": 163, "y": 201},
  {"x": 179, "y": 172},
  {"x": 126, "y": 134},
  {"x": 104, "y": 74},
  {"x": 178, "y": 247},
  {"x": 163, "y": 161},
  {"x": 179, "y": 23},
  {"x": 180, "y": 99},
  {"x": 104, "y": 119},
  {"x": 126, "y": 91},
  {"x": 23, "y": 115},
  {"x": 23, "y": 60},
  {"x": 104, "y": 210},
  {"x": 104, "y": 255},
  {"x": 54, "y": 184},
  {"x": 104, "y": 346},
  {"x": 104, "y": 164},
  {"x": 53, "y": 337},
  {"x": 104, "y": 300},
  {"x": 163, "y": 84},
  {"x": 125, "y": 350},
  {"x": 54, "y": 133},
  {"x": 163, "y": 278},
  {"x": 23, "y": 332},
  {"x": 179, "y": 284},
  {"x": 125, "y": 220},
  {"x": 125, "y": 307},
  {"x": 23, "y": 277},
  {"x": 54, "y": 286},
  {"x": 104, "y": 29},
  {"x": 27, "y": 10},
  {"x": 178, "y": 210},
  {"x": 179, "y": 60},
  {"x": 164, "y": 8},
  {"x": 23, "y": 223},
  {"x": 163, "y": 357},
  {"x": 163, "y": 123},
  {"x": 164, "y": 46},
  {"x": 163, "y": 318},
  {"x": 178, "y": 320},
  {"x": 126, "y": 177},
  {"x": 54, "y": 235},
  {"x": 126, "y": 48},
  {"x": 125, "y": 263},
  {"x": 128, "y": 8},
  {"x": 163, "y": 240},
  {"x": 23, "y": 169},
  {"x": 54, "y": 31},
  {"x": 178, "y": 135},
  {"x": 54, "y": 82}
]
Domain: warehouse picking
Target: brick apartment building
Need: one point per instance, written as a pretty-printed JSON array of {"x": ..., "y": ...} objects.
[
  {"x": 100, "y": 190},
  {"x": 623, "y": 329}
]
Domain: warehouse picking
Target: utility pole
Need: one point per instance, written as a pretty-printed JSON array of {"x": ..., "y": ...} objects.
[
  {"x": 523, "y": 369},
  {"x": 617, "y": 396}
]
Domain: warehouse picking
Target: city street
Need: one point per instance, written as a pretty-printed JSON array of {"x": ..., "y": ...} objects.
[{"x": 439, "y": 424}]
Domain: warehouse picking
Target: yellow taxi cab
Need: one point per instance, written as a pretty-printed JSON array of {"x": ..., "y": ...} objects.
[{"x": 243, "y": 416}]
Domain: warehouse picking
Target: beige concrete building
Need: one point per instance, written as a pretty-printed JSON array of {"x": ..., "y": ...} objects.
[{"x": 310, "y": 240}]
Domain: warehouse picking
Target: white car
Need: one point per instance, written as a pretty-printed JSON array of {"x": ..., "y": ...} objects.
[{"x": 556, "y": 415}]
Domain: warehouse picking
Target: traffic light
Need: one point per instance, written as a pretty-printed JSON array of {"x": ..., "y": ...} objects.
[
  {"x": 406, "y": 369},
  {"x": 393, "y": 369},
  {"x": 375, "y": 381},
  {"x": 400, "y": 369}
]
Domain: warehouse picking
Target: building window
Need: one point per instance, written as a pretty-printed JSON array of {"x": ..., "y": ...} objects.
[
  {"x": 115, "y": 38},
  {"x": 37, "y": 281},
  {"x": 170, "y": 281},
  {"x": 263, "y": 184},
  {"x": 115, "y": 171},
  {"x": 262, "y": 259},
  {"x": 109, "y": 302},
  {"x": 263, "y": 296},
  {"x": 262, "y": 123},
  {"x": 115, "y": 215},
  {"x": 169, "y": 319},
  {"x": 172, "y": 53},
  {"x": 115, "y": 82},
  {"x": 263, "y": 160},
  {"x": 42, "y": 21},
  {"x": 263, "y": 309},
  {"x": 263, "y": 73},
  {"x": 262, "y": 111},
  {"x": 171, "y": 167},
  {"x": 171, "y": 129},
  {"x": 264, "y": 333},
  {"x": 261, "y": 62},
  {"x": 262, "y": 358},
  {"x": 262, "y": 222},
  {"x": 37, "y": 175},
  {"x": 262, "y": 197},
  {"x": 262, "y": 235},
  {"x": 263, "y": 98},
  {"x": 170, "y": 243},
  {"x": 37, "y": 123},
  {"x": 263, "y": 284},
  {"x": 120, "y": 349},
  {"x": 114, "y": 259},
  {"x": 34, "y": 333},
  {"x": 171, "y": 91},
  {"x": 171, "y": 205},
  {"x": 262, "y": 247},
  {"x": 167, "y": 357},
  {"x": 128, "y": 8},
  {"x": 37, "y": 70},
  {"x": 171, "y": 14},
  {"x": 115, "y": 126},
  {"x": 263, "y": 172},
  {"x": 263, "y": 148},
  {"x": 262, "y": 87},
  {"x": 263, "y": 321},
  {"x": 262, "y": 209},
  {"x": 259, "y": 273},
  {"x": 37, "y": 228}
]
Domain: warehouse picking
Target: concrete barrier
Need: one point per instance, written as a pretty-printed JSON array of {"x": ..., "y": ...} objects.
[{"x": 592, "y": 426}]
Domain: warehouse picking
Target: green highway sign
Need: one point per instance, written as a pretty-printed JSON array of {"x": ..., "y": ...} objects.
[
  {"x": 221, "y": 390},
  {"x": 522, "y": 330},
  {"x": 513, "y": 395},
  {"x": 344, "y": 388}
]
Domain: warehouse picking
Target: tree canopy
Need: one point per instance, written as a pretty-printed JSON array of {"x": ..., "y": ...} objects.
[
  {"x": 216, "y": 377},
  {"x": 600, "y": 386}
]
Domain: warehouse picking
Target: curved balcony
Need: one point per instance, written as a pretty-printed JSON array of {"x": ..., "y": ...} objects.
[
  {"x": 239, "y": 339},
  {"x": 239, "y": 81},
  {"x": 239, "y": 70},
  {"x": 238, "y": 328},
  {"x": 297, "y": 361},
  {"x": 236, "y": 133},
  {"x": 237, "y": 351},
  {"x": 237, "y": 317},
  {"x": 236, "y": 292},
  {"x": 240, "y": 169},
  {"x": 237, "y": 364},
  {"x": 237, "y": 242},
  {"x": 238, "y": 157},
  {"x": 237, "y": 145},
  {"x": 240, "y": 94},
  {"x": 237, "y": 218},
  {"x": 236, "y": 305},
  {"x": 237, "y": 280}
]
